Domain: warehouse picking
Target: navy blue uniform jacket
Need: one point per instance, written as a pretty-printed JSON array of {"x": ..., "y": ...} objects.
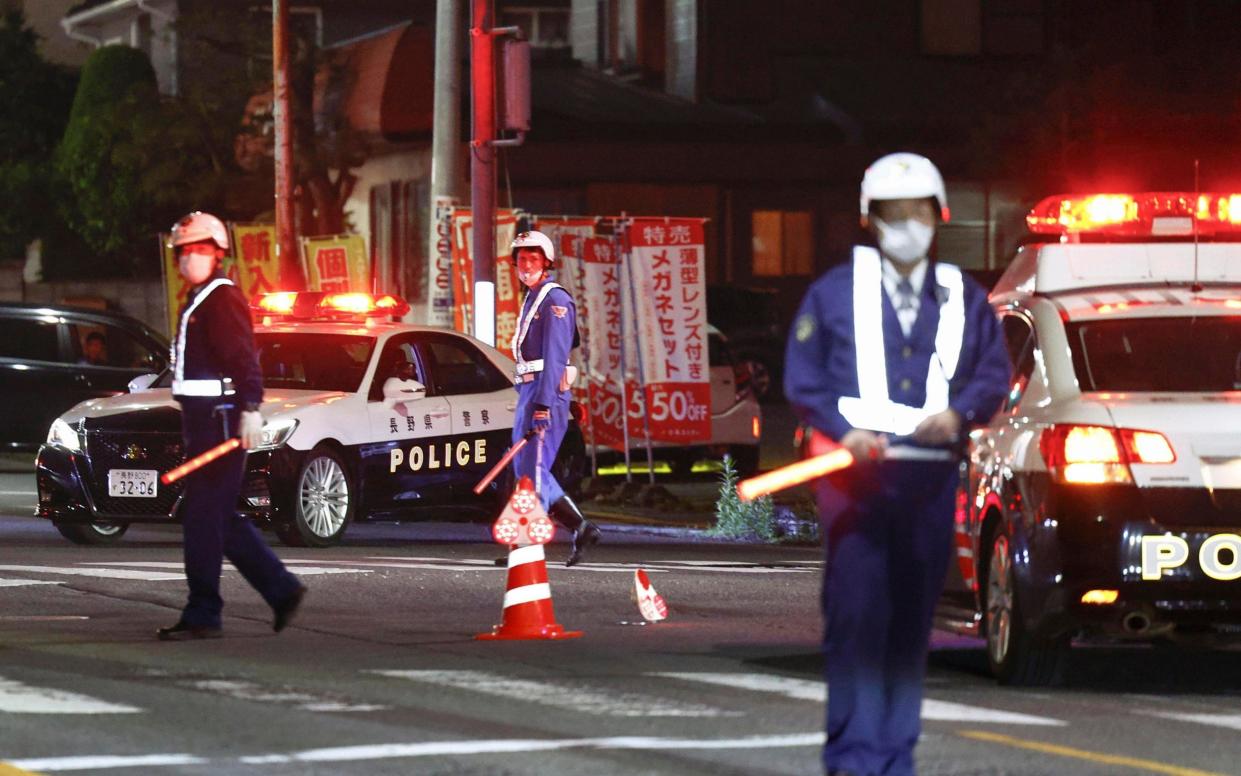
[{"x": 219, "y": 342}]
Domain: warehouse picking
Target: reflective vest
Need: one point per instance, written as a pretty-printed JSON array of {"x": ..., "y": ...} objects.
[
  {"x": 181, "y": 386},
  {"x": 872, "y": 409},
  {"x": 519, "y": 336}
]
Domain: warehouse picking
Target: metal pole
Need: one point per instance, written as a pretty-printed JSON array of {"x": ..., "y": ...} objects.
[
  {"x": 482, "y": 169},
  {"x": 286, "y": 234},
  {"x": 445, "y": 164}
]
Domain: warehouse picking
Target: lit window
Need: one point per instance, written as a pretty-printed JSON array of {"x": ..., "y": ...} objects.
[{"x": 782, "y": 243}]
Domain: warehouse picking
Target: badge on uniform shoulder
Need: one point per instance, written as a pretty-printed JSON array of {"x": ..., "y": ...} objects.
[
  {"x": 559, "y": 312},
  {"x": 805, "y": 327}
]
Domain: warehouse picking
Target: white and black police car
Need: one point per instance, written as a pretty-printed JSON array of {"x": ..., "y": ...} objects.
[
  {"x": 365, "y": 419},
  {"x": 1104, "y": 500}
]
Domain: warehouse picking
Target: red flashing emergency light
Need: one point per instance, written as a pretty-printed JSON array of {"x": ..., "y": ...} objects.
[
  {"x": 310, "y": 305},
  {"x": 1145, "y": 214}
]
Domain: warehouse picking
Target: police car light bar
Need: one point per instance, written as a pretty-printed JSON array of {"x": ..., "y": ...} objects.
[
  {"x": 309, "y": 305},
  {"x": 1145, "y": 214}
]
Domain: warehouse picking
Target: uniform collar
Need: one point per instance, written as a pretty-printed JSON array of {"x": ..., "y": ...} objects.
[{"x": 892, "y": 276}]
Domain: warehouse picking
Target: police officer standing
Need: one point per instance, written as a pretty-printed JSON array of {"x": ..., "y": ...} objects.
[
  {"x": 216, "y": 379},
  {"x": 546, "y": 334},
  {"x": 893, "y": 356}
]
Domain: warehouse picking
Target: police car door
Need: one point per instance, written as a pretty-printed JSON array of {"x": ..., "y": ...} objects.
[
  {"x": 482, "y": 400},
  {"x": 405, "y": 465}
]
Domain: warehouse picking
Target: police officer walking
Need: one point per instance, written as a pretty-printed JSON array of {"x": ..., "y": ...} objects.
[
  {"x": 893, "y": 356},
  {"x": 546, "y": 334},
  {"x": 216, "y": 379}
]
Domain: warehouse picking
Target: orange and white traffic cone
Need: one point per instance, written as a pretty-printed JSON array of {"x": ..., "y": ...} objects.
[{"x": 528, "y": 600}]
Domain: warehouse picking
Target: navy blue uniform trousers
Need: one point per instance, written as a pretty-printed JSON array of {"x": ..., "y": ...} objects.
[
  {"x": 526, "y": 462},
  {"x": 213, "y": 528},
  {"x": 888, "y": 540}
]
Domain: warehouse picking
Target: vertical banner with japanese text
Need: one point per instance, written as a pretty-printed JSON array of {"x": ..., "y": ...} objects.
[
  {"x": 336, "y": 263},
  {"x": 257, "y": 269},
  {"x": 508, "y": 302},
  {"x": 439, "y": 268},
  {"x": 667, "y": 257}
]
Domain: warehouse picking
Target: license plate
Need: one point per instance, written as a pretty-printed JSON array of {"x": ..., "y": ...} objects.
[{"x": 131, "y": 483}]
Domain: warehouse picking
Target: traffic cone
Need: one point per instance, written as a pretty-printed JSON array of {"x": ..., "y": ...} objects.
[
  {"x": 650, "y": 604},
  {"x": 528, "y": 600}
]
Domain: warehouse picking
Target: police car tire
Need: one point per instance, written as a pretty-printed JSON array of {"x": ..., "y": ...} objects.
[
  {"x": 326, "y": 466},
  {"x": 93, "y": 533},
  {"x": 1025, "y": 660}
]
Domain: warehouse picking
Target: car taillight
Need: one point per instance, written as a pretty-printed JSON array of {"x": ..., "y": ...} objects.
[
  {"x": 1097, "y": 454},
  {"x": 743, "y": 379}
]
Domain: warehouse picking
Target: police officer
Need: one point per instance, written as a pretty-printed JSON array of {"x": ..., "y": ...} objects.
[
  {"x": 546, "y": 333},
  {"x": 217, "y": 381},
  {"x": 893, "y": 356}
]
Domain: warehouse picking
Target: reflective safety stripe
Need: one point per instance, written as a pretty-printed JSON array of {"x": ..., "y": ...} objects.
[
  {"x": 872, "y": 409},
  {"x": 178, "y": 349},
  {"x": 519, "y": 336},
  {"x": 526, "y": 367},
  {"x": 540, "y": 591},
  {"x": 202, "y": 388}
]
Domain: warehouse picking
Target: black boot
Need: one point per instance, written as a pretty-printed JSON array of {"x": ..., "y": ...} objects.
[{"x": 585, "y": 533}]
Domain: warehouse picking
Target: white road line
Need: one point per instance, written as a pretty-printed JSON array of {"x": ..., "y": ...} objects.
[
  {"x": 102, "y": 761},
  {"x": 810, "y": 690},
  {"x": 145, "y": 576},
  {"x": 1231, "y": 721},
  {"x": 249, "y": 691},
  {"x": 18, "y": 698},
  {"x": 19, "y": 492},
  {"x": 450, "y": 748},
  {"x": 561, "y": 693},
  {"x": 26, "y": 582},
  {"x": 308, "y": 571}
]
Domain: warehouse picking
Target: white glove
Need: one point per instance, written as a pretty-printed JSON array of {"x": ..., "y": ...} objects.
[{"x": 250, "y": 429}]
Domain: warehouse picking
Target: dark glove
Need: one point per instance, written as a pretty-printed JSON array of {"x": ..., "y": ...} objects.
[{"x": 541, "y": 420}]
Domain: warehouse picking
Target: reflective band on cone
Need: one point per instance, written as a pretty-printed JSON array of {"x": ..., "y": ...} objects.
[{"x": 528, "y": 600}]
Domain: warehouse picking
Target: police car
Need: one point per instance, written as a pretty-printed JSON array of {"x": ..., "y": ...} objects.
[
  {"x": 1104, "y": 499},
  {"x": 365, "y": 418}
]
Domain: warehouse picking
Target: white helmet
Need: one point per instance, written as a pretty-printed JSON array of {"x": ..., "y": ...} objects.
[
  {"x": 533, "y": 239},
  {"x": 903, "y": 176},
  {"x": 199, "y": 227}
]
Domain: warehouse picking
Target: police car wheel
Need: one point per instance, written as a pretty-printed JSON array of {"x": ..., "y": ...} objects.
[
  {"x": 1016, "y": 656},
  {"x": 324, "y": 501},
  {"x": 93, "y": 533}
]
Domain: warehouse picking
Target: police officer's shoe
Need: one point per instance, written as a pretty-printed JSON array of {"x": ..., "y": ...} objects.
[
  {"x": 583, "y": 537},
  {"x": 184, "y": 631},
  {"x": 287, "y": 609}
]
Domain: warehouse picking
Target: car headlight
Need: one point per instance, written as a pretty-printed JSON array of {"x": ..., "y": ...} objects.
[
  {"x": 276, "y": 433},
  {"x": 64, "y": 435}
]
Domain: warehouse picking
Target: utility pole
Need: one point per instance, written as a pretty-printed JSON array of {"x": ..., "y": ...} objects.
[
  {"x": 286, "y": 236},
  {"x": 445, "y": 165},
  {"x": 482, "y": 169}
]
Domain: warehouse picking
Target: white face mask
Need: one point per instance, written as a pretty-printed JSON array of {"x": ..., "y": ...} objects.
[{"x": 905, "y": 241}]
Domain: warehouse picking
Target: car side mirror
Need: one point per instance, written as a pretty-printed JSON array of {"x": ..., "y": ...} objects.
[
  {"x": 142, "y": 383},
  {"x": 397, "y": 391}
]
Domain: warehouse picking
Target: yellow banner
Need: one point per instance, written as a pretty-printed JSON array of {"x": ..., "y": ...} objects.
[
  {"x": 336, "y": 263},
  {"x": 257, "y": 266}
]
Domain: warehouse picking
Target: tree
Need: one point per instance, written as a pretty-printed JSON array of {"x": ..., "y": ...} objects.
[{"x": 34, "y": 105}]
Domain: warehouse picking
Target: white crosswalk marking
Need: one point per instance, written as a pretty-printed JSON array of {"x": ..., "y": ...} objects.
[
  {"x": 809, "y": 690},
  {"x": 249, "y": 691},
  {"x": 1231, "y": 721},
  {"x": 308, "y": 571},
  {"x": 98, "y": 573},
  {"x": 18, "y": 698},
  {"x": 26, "y": 582},
  {"x": 561, "y": 693}
]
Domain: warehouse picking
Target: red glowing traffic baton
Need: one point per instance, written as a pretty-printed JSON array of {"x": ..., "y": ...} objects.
[
  {"x": 500, "y": 464},
  {"x": 794, "y": 474},
  {"x": 199, "y": 461}
]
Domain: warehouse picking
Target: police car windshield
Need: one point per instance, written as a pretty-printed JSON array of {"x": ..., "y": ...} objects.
[
  {"x": 1182, "y": 354},
  {"x": 314, "y": 362}
]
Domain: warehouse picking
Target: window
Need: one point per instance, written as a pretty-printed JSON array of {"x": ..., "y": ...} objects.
[
  {"x": 29, "y": 339},
  {"x": 1133, "y": 354},
  {"x": 1019, "y": 340},
  {"x": 399, "y": 359},
  {"x": 454, "y": 367},
  {"x": 782, "y": 243},
  {"x": 314, "y": 362},
  {"x": 546, "y": 28},
  {"x": 951, "y": 28},
  {"x": 98, "y": 344},
  {"x": 962, "y": 28}
]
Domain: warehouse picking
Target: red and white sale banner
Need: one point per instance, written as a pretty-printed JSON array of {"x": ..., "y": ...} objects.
[
  {"x": 667, "y": 261},
  {"x": 508, "y": 302}
]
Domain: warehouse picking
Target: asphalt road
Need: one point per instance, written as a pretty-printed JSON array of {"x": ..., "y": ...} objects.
[{"x": 381, "y": 673}]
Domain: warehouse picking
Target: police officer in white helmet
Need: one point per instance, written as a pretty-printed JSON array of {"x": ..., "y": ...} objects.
[
  {"x": 217, "y": 381},
  {"x": 892, "y": 355},
  {"x": 546, "y": 335}
]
